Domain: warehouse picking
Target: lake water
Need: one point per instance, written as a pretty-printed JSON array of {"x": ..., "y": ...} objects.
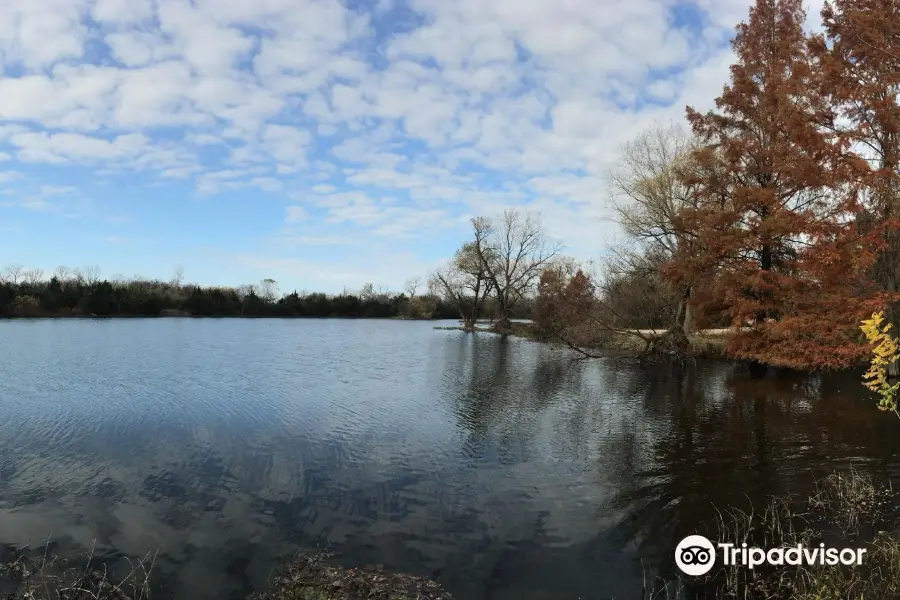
[{"x": 503, "y": 468}]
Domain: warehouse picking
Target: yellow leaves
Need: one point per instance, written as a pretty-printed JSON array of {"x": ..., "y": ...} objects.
[{"x": 885, "y": 350}]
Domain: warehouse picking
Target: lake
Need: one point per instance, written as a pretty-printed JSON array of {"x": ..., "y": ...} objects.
[{"x": 502, "y": 467}]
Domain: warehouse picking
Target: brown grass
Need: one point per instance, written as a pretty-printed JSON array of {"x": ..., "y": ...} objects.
[
  {"x": 314, "y": 577},
  {"x": 850, "y": 502},
  {"x": 42, "y": 576}
]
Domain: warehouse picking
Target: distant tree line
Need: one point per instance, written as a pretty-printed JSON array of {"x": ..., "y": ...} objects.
[{"x": 77, "y": 292}]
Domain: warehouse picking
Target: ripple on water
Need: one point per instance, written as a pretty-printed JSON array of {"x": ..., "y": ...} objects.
[{"x": 502, "y": 465}]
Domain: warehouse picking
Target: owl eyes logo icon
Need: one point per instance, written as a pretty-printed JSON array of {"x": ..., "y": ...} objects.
[{"x": 695, "y": 555}]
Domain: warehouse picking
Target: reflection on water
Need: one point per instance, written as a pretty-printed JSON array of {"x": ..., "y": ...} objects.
[{"x": 504, "y": 468}]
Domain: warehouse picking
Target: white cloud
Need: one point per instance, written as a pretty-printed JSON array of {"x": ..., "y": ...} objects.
[
  {"x": 65, "y": 147},
  {"x": 473, "y": 107},
  {"x": 295, "y": 214},
  {"x": 268, "y": 184},
  {"x": 8, "y": 176},
  {"x": 51, "y": 199},
  {"x": 122, "y": 12},
  {"x": 37, "y": 34},
  {"x": 286, "y": 144}
]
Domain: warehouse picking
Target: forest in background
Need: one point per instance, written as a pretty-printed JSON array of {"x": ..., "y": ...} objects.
[{"x": 79, "y": 292}]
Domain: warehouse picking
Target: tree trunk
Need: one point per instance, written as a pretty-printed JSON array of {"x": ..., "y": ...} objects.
[
  {"x": 684, "y": 318},
  {"x": 502, "y": 324},
  {"x": 468, "y": 314},
  {"x": 688, "y": 324},
  {"x": 679, "y": 315},
  {"x": 766, "y": 264}
]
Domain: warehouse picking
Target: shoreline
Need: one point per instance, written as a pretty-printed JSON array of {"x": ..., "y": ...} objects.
[
  {"x": 707, "y": 344},
  {"x": 120, "y": 316}
]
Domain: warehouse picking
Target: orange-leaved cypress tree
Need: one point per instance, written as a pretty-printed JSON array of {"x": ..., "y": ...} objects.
[
  {"x": 860, "y": 64},
  {"x": 766, "y": 174}
]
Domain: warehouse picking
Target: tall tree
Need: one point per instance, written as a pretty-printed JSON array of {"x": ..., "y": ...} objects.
[
  {"x": 648, "y": 193},
  {"x": 860, "y": 61},
  {"x": 465, "y": 282},
  {"x": 513, "y": 256},
  {"x": 765, "y": 173}
]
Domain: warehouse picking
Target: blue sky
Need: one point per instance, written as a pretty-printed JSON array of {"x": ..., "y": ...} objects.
[{"x": 327, "y": 144}]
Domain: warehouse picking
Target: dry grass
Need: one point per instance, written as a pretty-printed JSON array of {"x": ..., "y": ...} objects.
[
  {"x": 850, "y": 502},
  {"x": 314, "y": 577},
  {"x": 43, "y": 576}
]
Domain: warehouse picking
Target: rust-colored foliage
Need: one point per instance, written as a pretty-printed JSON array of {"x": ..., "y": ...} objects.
[
  {"x": 775, "y": 224},
  {"x": 563, "y": 303},
  {"x": 859, "y": 58}
]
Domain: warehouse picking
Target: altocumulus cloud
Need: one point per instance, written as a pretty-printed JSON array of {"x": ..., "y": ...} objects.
[{"x": 386, "y": 123}]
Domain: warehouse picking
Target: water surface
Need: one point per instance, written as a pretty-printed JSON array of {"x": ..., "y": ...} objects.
[{"x": 504, "y": 468}]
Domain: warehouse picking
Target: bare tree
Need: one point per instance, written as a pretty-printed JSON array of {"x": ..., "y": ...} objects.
[
  {"x": 91, "y": 274},
  {"x": 513, "y": 256},
  {"x": 367, "y": 292},
  {"x": 62, "y": 273},
  {"x": 243, "y": 292},
  {"x": 412, "y": 286},
  {"x": 177, "y": 276},
  {"x": 465, "y": 282},
  {"x": 648, "y": 193},
  {"x": 33, "y": 276},
  {"x": 12, "y": 273},
  {"x": 634, "y": 293},
  {"x": 268, "y": 289}
]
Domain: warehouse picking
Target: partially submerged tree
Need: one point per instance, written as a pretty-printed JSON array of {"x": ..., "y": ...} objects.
[
  {"x": 565, "y": 306},
  {"x": 465, "y": 281},
  {"x": 513, "y": 253},
  {"x": 462, "y": 283}
]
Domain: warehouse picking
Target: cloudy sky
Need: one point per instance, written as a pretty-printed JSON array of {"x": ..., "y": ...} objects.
[{"x": 327, "y": 144}]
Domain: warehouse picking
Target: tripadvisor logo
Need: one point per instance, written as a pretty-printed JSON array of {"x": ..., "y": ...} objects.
[{"x": 695, "y": 555}]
